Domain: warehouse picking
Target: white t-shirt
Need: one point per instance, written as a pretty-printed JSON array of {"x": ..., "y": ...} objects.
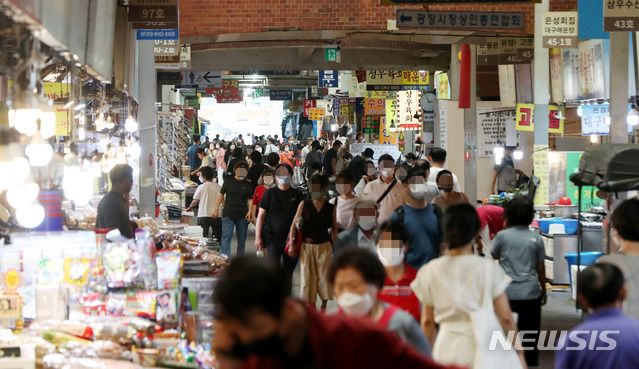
[
  {"x": 432, "y": 177},
  {"x": 394, "y": 199},
  {"x": 345, "y": 208},
  {"x": 207, "y": 194},
  {"x": 207, "y": 162}
]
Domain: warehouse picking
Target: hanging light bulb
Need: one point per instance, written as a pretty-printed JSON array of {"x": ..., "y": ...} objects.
[
  {"x": 47, "y": 124},
  {"x": 131, "y": 124},
  {"x": 135, "y": 150},
  {"x": 77, "y": 185},
  {"x": 499, "y": 154},
  {"x": 21, "y": 196},
  {"x": 25, "y": 120},
  {"x": 633, "y": 118},
  {"x": 109, "y": 123},
  {"x": 100, "y": 123},
  {"x": 518, "y": 154},
  {"x": 39, "y": 151},
  {"x": 12, "y": 161},
  {"x": 594, "y": 139},
  {"x": 30, "y": 216}
]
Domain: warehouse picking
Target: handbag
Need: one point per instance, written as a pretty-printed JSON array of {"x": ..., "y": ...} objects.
[
  {"x": 484, "y": 322},
  {"x": 294, "y": 242}
]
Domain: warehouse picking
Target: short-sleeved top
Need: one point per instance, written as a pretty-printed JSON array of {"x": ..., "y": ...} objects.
[
  {"x": 287, "y": 157},
  {"x": 491, "y": 216},
  {"x": 207, "y": 162},
  {"x": 257, "y": 195},
  {"x": 317, "y": 224},
  {"x": 432, "y": 178},
  {"x": 506, "y": 174},
  {"x": 455, "y": 198},
  {"x": 328, "y": 157},
  {"x": 519, "y": 250},
  {"x": 280, "y": 207},
  {"x": 455, "y": 286},
  {"x": 629, "y": 265},
  {"x": 394, "y": 199},
  {"x": 344, "y": 212},
  {"x": 400, "y": 294},
  {"x": 403, "y": 325},
  {"x": 194, "y": 161},
  {"x": 207, "y": 194},
  {"x": 254, "y": 174},
  {"x": 113, "y": 212},
  {"x": 358, "y": 167},
  {"x": 237, "y": 193},
  {"x": 425, "y": 235}
]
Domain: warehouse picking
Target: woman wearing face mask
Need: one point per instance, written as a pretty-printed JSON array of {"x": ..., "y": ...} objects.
[
  {"x": 448, "y": 197},
  {"x": 229, "y": 153},
  {"x": 370, "y": 176},
  {"x": 266, "y": 181},
  {"x": 454, "y": 286},
  {"x": 287, "y": 156},
  {"x": 236, "y": 195},
  {"x": 357, "y": 276},
  {"x": 319, "y": 230},
  {"x": 392, "y": 245},
  {"x": 345, "y": 203},
  {"x": 220, "y": 162}
]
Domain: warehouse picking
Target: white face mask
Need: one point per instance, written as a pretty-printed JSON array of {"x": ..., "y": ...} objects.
[
  {"x": 418, "y": 190},
  {"x": 367, "y": 222},
  {"x": 268, "y": 180},
  {"x": 388, "y": 172},
  {"x": 232, "y": 147},
  {"x": 283, "y": 180},
  {"x": 355, "y": 305},
  {"x": 217, "y": 146},
  {"x": 390, "y": 256}
]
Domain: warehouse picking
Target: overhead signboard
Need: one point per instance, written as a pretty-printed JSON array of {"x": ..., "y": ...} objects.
[
  {"x": 593, "y": 120},
  {"x": 391, "y": 115},
  {"x": 414, "y": 77},
  {"x": 526, "y": 118},
  {"x": 201, "y": 79},
  {"x": 506, "y": 50},
  {"x": 308, "y": 104},
  {"x": 383, "y": 78},
  {"x": 185, "y": 57},
  {"x": 316, "y": 113},
  {"x": 488, "y": 53},
  {"x": 167, "y": 53},
  {"x": 144, "y": 11},
  {"x": 427, "y": 2},
  {"x": 621, "y": 15},
  {"x": 560, "y": 30},
  {"x": 443, "y": 86},
  {"x": 328, "y": 78},
  {"x": 409, "y": 113},
  {"x": 264, "y": 72},
  {"x": 374, "y": 107},
  {"x": 460, "y": 20},
  {"x": 281, "y": 95}
]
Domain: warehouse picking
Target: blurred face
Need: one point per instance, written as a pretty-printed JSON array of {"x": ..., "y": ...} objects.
[
  {"x": 354, "y": 295},
  {"x": 387, "y": 167},
  {"x": 366, "y": 216},
  {"x": 343, "y": 187},
  {"x": 401, "y": 173},
  {"x": 128, "y": 184},
  {"x": 446, "y": 183},
  {"x": 200, "y": 155},
  {"x": 258, "y": 148},
  {"x": 390, "y": 249},
  {"x": 317, "y": 192},
  {"x": 370, "y": 169},
  {"x": 241, "y": 173},
  {"x": 349, "y": 280},
  {"x": 508, "y": 153},
  {"x": 269, "y": 179},
  {"x": 337, "y": 147},
  {"x": 416, "y": 186},
  {"x": 286, "y": 148}
]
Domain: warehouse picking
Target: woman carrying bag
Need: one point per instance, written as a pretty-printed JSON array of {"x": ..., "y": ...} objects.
[
  {"x": 316, "y": 224},
  {"x": 465, "y": 295}
]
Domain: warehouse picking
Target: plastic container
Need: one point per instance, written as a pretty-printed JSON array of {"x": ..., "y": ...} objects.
[
  {"x": 587, "y": 258},
  {"x": 569, "y": 224},
  {"x": 53, "y": 219}
]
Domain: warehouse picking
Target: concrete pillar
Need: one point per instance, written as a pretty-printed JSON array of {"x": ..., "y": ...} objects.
[
  {"x": 542, "y": 78},
  {"x": 470, "y": 126},
  {"x": 146, "y": 92},
  {"x": 618, "y": 87}
]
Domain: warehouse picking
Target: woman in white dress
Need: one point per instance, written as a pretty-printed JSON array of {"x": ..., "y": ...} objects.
[{"x": 452, "y": 287}]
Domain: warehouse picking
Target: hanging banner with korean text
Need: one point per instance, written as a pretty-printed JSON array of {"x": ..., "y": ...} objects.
[
  {"x": 308, "y": 104},
  {"x": 443, "y": 86},
  {"x": 383, "y": 80},
  {"x": 595, "y": 120},
  {"x": 525, "y": 117},
  {"x": 409, "y": 113},
  {"x": 316, "y": 113},
  {"x": 386, "y": 137},
  {"x": 491, "y": 130},
  {"x": 375, "y": 107},
  {"x": 62, "y": 127},
  {"x": 488, "y": 53},
  {"x": 355, "y": 88},
  {"x": 621, "y": 16},
  {"x": 560, "y": 30},
  {"x": 415, "y": 78},
  {"x": 460, "y": 20},
  {"x": 556, "y": 76},
  {"x": 591, "y": 70},
  {"x": 391, "y": 115},
  {"x": 380, "y": 94},
  {"x": 570, "y": 65}
]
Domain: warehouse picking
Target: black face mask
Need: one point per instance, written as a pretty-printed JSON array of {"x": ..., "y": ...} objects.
[{"x": 271, "y": 346}]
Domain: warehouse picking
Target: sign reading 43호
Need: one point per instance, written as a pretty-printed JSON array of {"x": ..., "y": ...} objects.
[{"x": 621, "y": 15}]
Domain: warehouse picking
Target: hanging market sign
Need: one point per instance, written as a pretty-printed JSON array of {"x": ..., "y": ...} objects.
[
  {"x": 506, "y": 50},
  {"x": 386, "y": 136},
  {"x": 460, "y": 20},
  {"x": 594, "y": 117},
  {"x": 409, "y": 113},
  {"x": 383, "y": 78},
  {"x": 414, "y": 77},
  {"x": 560, "y": 30},
  {"x": 328, "y": 78},
  {"x": 443, "y": 86},
  {"x": 167, "y": 53},
  {"x": 356, "y": 88},
  {"x": 492, "y": 130},
  {"x": 488, "y": 53},
  {"x": 391, "y": 115},
  {"x": 280, "y": 95},
  {"x": 526, "y": 118},
  {"x": 591, "y": 70},
  {"x": 380, "y": 94},
  {"x": 207, "y": 79},
  {"x": 308, "y": 104},
  {"x": 361, "y": 75},
  {"x": 316, "y": 113},
  {"x": 185, "y": 57},
  {"x": 621, "y": 15},
  {"x": 62, "y": 127},
  {"x": 150, "y": 14},
  {"x": 370, "y": 124},
  {"x": 374, "y": 107},
  {"x": 58, "y": 92},
  {"x": 229, "y": 99}
]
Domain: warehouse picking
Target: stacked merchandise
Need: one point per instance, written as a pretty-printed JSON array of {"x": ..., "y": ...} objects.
[{"x": 173, "y": 141}]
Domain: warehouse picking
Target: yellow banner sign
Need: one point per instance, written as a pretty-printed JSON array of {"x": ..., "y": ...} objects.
[
  {"x": 443, "y": 86},
  {"x": 316, "y": 113},
  {"x": 413, "y": 77},
  {"x": 56, "y": 91},
  {"x": 526, "y": 117},
  {"x": 387, "y": 137},
  {"x": 62, "y": 121},
  {"x": 391, "y": 115}
]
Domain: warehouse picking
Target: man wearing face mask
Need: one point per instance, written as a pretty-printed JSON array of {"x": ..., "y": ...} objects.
[
  {"x": 277, "y": 210},
  {"x": 259, "y": 326},
  {"x": 206, "y": 196},
  {"x": 430, "y": 190},
  {"x": 421, "y": 220},
  {"x": 448, "y": 196},
  {"x": 385, "y": 190},
  {"x": 363, "y": 233},
  {"x": 236, "y": 194},
  {"x": 357, "y": 276}
]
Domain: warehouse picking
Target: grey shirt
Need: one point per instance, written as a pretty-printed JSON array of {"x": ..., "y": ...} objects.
[
  {"x": 113, "y": 212},
  {"x": 506, "y": 175},
  {"x": 405, "y": 326},
  {"x": 629, "y": 265},
  {"x": 519, "y": 250}
]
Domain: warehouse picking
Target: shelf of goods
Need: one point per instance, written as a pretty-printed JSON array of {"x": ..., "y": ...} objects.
[{"x": 173, "y": 142}]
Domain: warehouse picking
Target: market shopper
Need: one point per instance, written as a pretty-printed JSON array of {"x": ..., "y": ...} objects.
[
  {"x": 430, "y": 190},
  {"x": 238, "y": 156},
  {"x": 505, "y": 174},
  {"x": 276, "y": 213},
  {"x": 492, "y": 222},
  {"x": 448, "y": 195},
  {"x": 521, "y": 253},
  {"x": 421, "y": 220},
  {"x": 358, "y": 164},
  {"x": 318, "y": 231},
  {"x": 287, "y": 156},
  {"x": 330, "y": 159},
  {"x": 236, "y": 194},
  {"x": 272, "y": 146},
  {"x": 192, "y": 158},
  {"x": 362, "y": 234},
  {"x": 264, "y": 182},
  {"x": 205, "y": 199},
  {"x": 344, "y": 156},
  {"x": 257, "y": 168},
  {"x": 113, "y": 209},
  {"x": 206, "y": 161},
  {"x": 369, "y": 176},
  {"x": 272, "y": 159},
  {"x": 625, "y": 235},
  {"x": 437, "y": 159},
  {"x": 259, "y": 326},
  {"x": 388, "y": 194},
  {"x": 393, "y": 243},
  {"x": 220, "y": 162},
  {"x": 314, "y": 159},
  {"x": 305, "y": 150},
  {"x": 357, "y": 276},
  {"x": 601, "y": 292},
  {"x": 457, "y": 284},
  {"x": 346, "y": 201}
]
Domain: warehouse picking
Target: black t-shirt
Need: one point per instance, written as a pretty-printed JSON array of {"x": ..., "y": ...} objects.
[
  {"x": 316, "y": 224},
  {"x": 113, "y": 212},
  {"x": 237, "y": 195},
  {"x": 280, "y": 207},
  {"x": 254, "y": 174},
  {"x": 330, "y": 154},
  {"x": 314, "y": 160},
  {"x": 358, "y": 168}
]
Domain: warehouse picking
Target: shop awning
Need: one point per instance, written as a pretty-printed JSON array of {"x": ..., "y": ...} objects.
[{"x": 610, "y": 167}]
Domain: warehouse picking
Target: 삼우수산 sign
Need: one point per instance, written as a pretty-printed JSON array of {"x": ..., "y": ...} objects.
[
  {"x": 621, "y": 15},
  {"x": 460, "y": 20}
]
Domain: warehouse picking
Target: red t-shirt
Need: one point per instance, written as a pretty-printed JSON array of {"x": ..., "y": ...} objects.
[
  {"x": 342, "y": 342},
  {"x": 493, "y": 216},
  {"x": 400, "y": 293}
]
